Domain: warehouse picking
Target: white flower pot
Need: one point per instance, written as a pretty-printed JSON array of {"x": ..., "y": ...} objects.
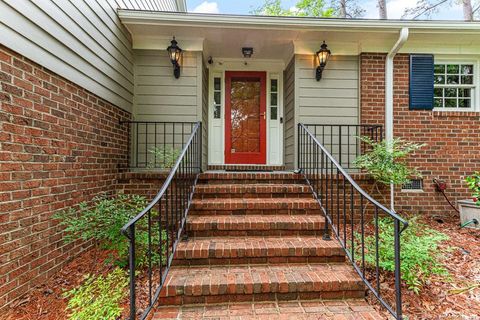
[{"x": 468, "y": 211}]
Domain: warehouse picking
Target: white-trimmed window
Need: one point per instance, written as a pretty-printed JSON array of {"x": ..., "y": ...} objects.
[{"x": 454, "y": 86}]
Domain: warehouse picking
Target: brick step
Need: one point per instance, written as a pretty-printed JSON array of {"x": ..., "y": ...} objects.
[
  {"x": 250, "y": 177},
  {"x": 255, "y": 206},
  {"x": 254, "y": 225},
  {"x": 212, "y": 191},
  {"x": 251, "y": 250},
  {"x": 217, "y": 284},
  {"x": 357, "y": 309}
]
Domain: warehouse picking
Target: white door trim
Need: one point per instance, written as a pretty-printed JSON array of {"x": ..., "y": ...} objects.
[{"x": 216, "y": 126}]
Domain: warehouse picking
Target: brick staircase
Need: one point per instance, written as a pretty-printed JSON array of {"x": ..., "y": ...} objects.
[{"x": 255, "y": 251}]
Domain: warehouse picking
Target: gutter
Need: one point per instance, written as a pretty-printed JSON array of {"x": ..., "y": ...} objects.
[
  {"x": 292, "y": 23},
  {"x": 389, "y": 82}
]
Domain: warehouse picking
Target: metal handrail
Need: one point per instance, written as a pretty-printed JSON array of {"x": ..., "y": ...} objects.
[
  {"x": 313, "y": 161},
  {"x": 176, "y": 195},
  {"x": 341, "y": 139},
  {"x": 146, "y": 137}
]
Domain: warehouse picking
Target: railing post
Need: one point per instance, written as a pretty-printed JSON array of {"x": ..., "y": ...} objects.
[
  {"x": 131, "y": 264},
  {"x": 398, "y": 274},
  {"x": 339, "y": 145},
  {"x": 298, "y": 146},
  {"x": 200, "y": 151},
  {"x": 326, "y": 231}
]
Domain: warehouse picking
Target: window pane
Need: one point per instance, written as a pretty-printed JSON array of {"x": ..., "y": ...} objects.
[
  {"x": 216, "y": 97},
  {"x": 453, "y": 80},
  {"x": 465, "y": 93},
  {"x": 439, "y": 79},
  {"x": 217, "y": 85},
  {"x": 439, "y": 68},
  {"x": 438, "y": 92},
  {"x": 467, "y": 69},
  {"x": 216, "y": 112},
  {"x": 274, "y": 85},
  {"x": 450, "y": 103},
  {"x": 450, "y": 92},
  {"x": 467, "y": 79},
  {"x": 453, "y": 69},
  {"x": 273, "y": 113},
  {"x": 273, "y": 99},
  {"x": 464, "y": 103},
  {"x": 438, "y": 103}
]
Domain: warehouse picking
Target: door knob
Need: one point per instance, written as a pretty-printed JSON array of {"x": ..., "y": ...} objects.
[{"x": 264, "y": 115}]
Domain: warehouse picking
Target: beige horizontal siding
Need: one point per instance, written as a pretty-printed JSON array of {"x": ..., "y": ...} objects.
[
  {"x": 156, "y": 5},
  {"x": 161, "y": 97},
  {"x": 333, "y": 99},
  {"x": 83, "y": 41}
]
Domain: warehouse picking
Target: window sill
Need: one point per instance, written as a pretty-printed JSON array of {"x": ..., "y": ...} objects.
[
  {"x": 458, "y": 114},
  {"x": 412, "y": 191}
]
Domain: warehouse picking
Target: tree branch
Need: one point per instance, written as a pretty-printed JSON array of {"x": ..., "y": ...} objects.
[
  {"x": 476, "y": 9},
  {"x": 430, "y": 8}
]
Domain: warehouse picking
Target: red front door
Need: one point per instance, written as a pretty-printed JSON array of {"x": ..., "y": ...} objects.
[{"x": 245, "y": 118}]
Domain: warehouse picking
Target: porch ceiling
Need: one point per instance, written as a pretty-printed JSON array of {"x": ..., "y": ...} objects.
[{"x": 278, "y": 38}]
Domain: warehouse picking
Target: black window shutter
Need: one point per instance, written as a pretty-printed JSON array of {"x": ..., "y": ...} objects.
[{"x": 421, "y": 82}]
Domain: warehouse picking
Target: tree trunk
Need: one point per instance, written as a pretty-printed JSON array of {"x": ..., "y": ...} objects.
[
  {"x": 382, "y": 9},
  {"x": 467, "y": 10},
  {"x": 343, "y": 9}
]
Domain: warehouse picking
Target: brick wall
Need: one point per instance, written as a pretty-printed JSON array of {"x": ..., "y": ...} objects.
[
  {"x": 452, "y": 138},
  {"x": 146, "y": 184},
  {"x": 59, "y": 145}
]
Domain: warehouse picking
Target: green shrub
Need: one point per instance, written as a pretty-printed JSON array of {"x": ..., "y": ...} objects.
[
  {"x": 473, "y": 183},
  {"x": 164, "y": 157},
  {"x": 98, "y": 297},
  {"x": 386, "y": 161},
  {"x": 102, "y": 222},
  {"x": 419, "y": 256}
]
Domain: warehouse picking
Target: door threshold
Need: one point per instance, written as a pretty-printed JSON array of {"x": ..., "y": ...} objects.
[{"x": 246, "y": 167}]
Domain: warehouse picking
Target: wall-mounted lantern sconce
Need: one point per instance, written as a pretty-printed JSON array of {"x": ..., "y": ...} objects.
[
  {"x": 174, "y": 52},
  {"x": 247, "y": 52},
  {"x": 322, "y": 55}
]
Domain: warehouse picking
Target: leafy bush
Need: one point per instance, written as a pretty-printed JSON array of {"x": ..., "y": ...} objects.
[
  {"x": 164, "y": 157},
  {"x": 102, "y": 222},
  {"x": 419, "y": 256},
  {"x": 473, "y": 183},
  {"x": 98, "y": 297},
  {"x": 386, "y": 161}
]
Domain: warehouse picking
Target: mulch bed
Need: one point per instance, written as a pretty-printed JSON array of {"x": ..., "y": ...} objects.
[
  {"x": 454, "y": 297},
  {"x": 46, "y": 302}
]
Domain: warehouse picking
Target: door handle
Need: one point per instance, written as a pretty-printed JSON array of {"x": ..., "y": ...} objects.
[{"x": 264, "y": 115}]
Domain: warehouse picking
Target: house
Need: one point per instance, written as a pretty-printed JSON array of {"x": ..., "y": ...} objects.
[{"x": 88, "y": 88}]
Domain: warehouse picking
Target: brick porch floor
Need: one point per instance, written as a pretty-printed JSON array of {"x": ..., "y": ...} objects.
[{"x": 255, "y": 251}]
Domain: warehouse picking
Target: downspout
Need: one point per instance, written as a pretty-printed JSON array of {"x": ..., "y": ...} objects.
[{"x": 389, "y": 94}]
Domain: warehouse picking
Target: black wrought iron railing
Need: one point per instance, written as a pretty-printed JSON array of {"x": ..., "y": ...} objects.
[
  {"x": 155, "y": 232},
  {"x": 156, "y": 145},
  {"x": 342, "y": 141},
  {"x": 353, "y": 217}
]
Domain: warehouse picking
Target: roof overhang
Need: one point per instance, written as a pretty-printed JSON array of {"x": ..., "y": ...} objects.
[{"x": 280, "y": 37}]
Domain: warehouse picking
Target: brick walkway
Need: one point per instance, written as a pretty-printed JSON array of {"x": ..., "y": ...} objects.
[
  {"x": 255, "y": 251},
  {"x": 295, "y": 310}
]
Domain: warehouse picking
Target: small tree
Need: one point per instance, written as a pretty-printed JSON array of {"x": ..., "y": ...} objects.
[{"x": 386, "y": 162}]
